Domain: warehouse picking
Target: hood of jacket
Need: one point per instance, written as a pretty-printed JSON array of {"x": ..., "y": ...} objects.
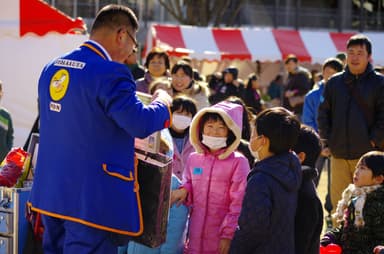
[
  {"x": 232, "y": 115},
  {"x": 284, "y": 168}
]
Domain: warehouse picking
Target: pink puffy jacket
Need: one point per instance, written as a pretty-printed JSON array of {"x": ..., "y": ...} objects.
[{"x": 216, "y": 184}]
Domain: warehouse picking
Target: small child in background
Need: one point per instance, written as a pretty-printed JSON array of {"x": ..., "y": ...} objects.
[
  {"x": 361, "y": 209},
  {"x": 267, "y": 218},
  {"x": 252, "y": 94},
  {"x": 160, "y": 83},
  {"x": 214, "y": 178},
  {"x": 183, "y": 110},
  {"x": 248, "y": 117},
  {"x": 309, "y": 212}
]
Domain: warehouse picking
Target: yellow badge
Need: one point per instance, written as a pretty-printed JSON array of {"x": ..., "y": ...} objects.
[{"x": 59, "y": 84}]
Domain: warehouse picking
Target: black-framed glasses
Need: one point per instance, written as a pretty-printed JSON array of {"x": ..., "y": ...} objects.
[{"x": 135, "y": 42}]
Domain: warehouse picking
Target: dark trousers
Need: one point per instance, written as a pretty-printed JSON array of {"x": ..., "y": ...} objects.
[{"x": 67, "y": 237}]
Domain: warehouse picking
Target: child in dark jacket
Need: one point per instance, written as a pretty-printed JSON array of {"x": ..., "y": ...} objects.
[
  {"x": 361, "y": 209},
  {"x": 309, "y": 212},
  {"x": 267, "y": 218}
]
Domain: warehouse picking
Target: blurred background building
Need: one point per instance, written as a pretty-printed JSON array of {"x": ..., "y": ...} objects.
[{"x": 337, "y": 15}]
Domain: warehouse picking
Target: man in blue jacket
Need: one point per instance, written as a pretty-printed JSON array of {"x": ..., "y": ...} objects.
[
  {"x": 312, "y": 102},
  {"x": 85, "y": 184}
]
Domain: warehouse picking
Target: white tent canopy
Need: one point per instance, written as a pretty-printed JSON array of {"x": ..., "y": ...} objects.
[
  {"x": 262, "y": 44},
  {"x": 25, "y": 48}
]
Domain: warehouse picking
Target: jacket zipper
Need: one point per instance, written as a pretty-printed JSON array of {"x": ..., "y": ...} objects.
[{"x": 207, "y": 197}]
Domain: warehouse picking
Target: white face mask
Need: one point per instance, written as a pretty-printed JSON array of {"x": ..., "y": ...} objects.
[
  {"x": 214, "y": 143},
  {"x": 181, "y": 122},
  {"x": 255, "y": 154}
]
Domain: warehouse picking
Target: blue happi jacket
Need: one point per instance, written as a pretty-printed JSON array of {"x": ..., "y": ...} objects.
[{"x": 89, "y": 117}]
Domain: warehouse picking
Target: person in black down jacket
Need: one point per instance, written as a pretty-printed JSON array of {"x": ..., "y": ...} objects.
[
  {"x": 267, "y": 217},
  {"x": 351, "y": 115},
  {"x": 309, "y": 213},
  {"x": 230, "y": 85}
]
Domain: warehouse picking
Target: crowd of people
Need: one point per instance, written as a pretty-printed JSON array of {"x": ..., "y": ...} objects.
[{"x": 244, "y": 174}]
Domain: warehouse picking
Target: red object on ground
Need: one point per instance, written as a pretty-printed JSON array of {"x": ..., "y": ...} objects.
[{"x": 330, "y": 249}]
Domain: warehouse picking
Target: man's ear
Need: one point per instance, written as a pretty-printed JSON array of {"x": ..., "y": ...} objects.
[
  {"x": 379, "y": 179},
  {"x": 301, "y": 156},
  {"x": 119, "y": 38}
]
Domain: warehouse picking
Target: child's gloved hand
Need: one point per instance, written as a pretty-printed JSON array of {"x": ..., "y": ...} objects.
[
  {"x": 327, "y": 239},
  {"x": 178, "y": 196}
]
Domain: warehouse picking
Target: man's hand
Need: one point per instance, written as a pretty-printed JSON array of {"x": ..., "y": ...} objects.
[
  {"x": 178, "y": 196},
  {"x": 236, "y": 83},
  {"x": 224, "y": 246},
  {"x": 289, "y": 93},
  {"x": 162, "y": 96},
  {"x": 326, "y": 152}
]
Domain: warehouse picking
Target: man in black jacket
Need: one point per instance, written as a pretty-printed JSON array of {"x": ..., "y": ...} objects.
[
  {"x": 298, "y": 84},
  {"x": 351, "y": 116}
]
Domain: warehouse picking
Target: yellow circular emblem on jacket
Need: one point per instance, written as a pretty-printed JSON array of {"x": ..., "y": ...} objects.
[{"x": 59, "y": 84}]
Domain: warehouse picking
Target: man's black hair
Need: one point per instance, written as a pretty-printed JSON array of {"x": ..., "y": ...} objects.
[{"x": 360, "y": 39}]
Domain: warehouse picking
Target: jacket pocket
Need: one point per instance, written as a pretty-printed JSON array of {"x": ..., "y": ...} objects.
[{"x": 123, "y": 174}]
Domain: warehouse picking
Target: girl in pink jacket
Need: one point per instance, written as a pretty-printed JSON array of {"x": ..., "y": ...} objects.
[{"x": 214, "y": 178}]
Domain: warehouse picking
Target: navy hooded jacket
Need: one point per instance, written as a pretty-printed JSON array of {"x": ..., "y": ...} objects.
[{"x": 266, "y": 222}]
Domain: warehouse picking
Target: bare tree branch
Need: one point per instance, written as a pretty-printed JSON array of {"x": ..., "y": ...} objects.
[
  {"x": 202, "y": 12},
  {"x": 174, "y": 11},
  {"x": 190, "y": 12},
  {"x": 239, "y": 5},
  {"x": 221, "y": 5},
  {"x": 178, "y": 8},
  {"x": 207, "y": 12}
]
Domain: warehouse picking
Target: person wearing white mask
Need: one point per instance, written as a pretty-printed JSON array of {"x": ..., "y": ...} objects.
[
  {"x": 183, "y": 109},
  {"x": 266, "y": 221},
  {"x": 214, "y": 178}
]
